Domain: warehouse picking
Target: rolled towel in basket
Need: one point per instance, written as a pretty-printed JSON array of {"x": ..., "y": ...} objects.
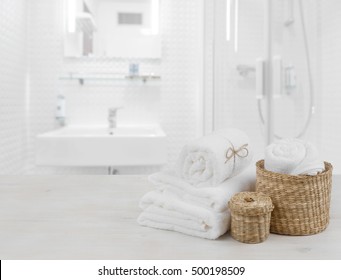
[
  {"x": 168, "y": 212},
  {"x": 212, "y": 159},
  {"x": 293, "y": 157},
  {"x": 212, "y": 198}
]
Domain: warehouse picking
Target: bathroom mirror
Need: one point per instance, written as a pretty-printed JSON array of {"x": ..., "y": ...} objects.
[{"x": 112, "y": 28}]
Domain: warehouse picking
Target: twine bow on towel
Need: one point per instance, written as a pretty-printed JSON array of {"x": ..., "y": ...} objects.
[{"x": 232, "y": 152}]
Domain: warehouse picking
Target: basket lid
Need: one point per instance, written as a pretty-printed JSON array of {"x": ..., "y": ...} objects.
[{"x": 250, "y": 203}]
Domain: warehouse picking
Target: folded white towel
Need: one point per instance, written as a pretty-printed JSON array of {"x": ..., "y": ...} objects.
[
  {"x": 171, "y": 213},
  {"x": 176, "y": 205},
  {"x": 212, "y": 159},
  {"x": 294, "y": 157},
  {"x": 212, "y": 198}
]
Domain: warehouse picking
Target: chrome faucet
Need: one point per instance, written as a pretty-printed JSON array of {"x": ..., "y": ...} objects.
[{"x": 112, "y": 118}]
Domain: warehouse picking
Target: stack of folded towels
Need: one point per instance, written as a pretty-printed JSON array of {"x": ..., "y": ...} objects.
[
  {"x": 192, "y": 197},
  {"x": 293, "y": 157}
]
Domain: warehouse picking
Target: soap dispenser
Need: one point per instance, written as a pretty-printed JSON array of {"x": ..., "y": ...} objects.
[{"x": 60, "y": 109}]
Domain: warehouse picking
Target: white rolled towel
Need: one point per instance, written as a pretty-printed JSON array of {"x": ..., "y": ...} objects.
[
  {"x": 168, "y": 212},
  {"x": 212, "y": 159},
  {"x": 212, "y": 198},
  {"x": 293, "y": 157}
]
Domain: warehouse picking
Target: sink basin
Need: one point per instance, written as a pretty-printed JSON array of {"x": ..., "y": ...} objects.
[{"x": 94, "y": 146}]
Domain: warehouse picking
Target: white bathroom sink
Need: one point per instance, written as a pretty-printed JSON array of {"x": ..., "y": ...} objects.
[{"x": 94, "y": 146}]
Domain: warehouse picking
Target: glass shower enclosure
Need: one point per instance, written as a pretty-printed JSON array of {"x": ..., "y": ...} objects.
[{"x": 261, "y": 68}]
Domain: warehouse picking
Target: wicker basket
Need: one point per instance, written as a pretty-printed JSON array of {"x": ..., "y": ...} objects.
[
  {"x": 301, "y": 202},
  {"x": 250, "y": 217}
]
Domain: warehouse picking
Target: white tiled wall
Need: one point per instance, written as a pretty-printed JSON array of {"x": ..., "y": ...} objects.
[
  {"x": 331, "y": 82},
  {"x": 182, "y": 47},
  {"x": 13, "y": 66},
  {"x": 175, "y": 102}
]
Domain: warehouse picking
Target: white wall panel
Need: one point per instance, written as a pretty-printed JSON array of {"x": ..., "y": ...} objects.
[{"x": 13, "y": 66}]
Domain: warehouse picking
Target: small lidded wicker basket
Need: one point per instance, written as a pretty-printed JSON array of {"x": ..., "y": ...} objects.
[
  {"x": 250, "y": 216},
  {"x": 301, "y": 202}
]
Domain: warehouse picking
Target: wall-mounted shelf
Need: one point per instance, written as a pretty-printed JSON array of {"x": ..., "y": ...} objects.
[{"x": 117, "y": 78}]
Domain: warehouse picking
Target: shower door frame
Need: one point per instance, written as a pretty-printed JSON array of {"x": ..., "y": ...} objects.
[{"x": 210, "y": 56}]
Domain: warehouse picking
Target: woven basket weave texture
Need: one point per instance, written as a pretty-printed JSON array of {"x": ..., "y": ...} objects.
[
  {"x": 301, "y": 202},
  {"x": 250, "y": 217}
]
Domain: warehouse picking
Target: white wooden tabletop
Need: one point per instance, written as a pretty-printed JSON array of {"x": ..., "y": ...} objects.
[{"x": 94, "y": 217}]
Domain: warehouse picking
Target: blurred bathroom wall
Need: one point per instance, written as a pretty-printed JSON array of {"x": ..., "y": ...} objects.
[
  {"x": 330, "y": 40},
  {"x": 32, "y": 61},
  {"x": 38, "y": 52},
  {"x": 13, "y": 71}
]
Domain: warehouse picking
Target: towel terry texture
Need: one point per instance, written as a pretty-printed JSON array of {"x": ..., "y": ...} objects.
[
  {"x": 215, "y": 198},
  {"x": 293, "y": 157},
  {"x": 212, "y": 159},
  {"x": 192, "y": 197},
  {"x": 167, "y": 211}
]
